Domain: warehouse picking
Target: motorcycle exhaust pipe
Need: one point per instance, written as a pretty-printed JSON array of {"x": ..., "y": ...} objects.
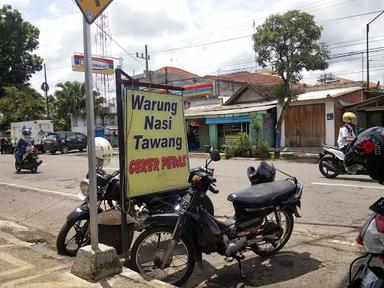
[{"x": 235, "y": 245}]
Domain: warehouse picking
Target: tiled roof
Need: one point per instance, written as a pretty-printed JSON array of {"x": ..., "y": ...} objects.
[
  {"x": 248, "y": 77},
  {"x": 176, "y": 71}
]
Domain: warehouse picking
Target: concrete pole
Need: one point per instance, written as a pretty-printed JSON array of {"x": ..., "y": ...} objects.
[
  {"x": 91, "y": 136},
  {"x": 367, "y": 58},
  {"x": 46, "y": 90}
]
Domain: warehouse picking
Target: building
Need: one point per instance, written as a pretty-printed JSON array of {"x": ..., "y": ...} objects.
[{"x": 316, "y": 116}]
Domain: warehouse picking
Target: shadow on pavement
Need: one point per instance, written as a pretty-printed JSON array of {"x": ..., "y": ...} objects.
[{"x": 258, "y": 271}]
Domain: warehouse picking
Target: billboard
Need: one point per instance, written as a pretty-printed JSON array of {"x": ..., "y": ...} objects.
[
  {"x": 156, "y": 149},
  {"x": 99, "y": 65},
  {"x": 198, "y": 90}
]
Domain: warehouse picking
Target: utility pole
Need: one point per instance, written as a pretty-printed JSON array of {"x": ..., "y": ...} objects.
[
  {"x": 146, "y": 57},
  {"x": 45, "y": 88},
  {"x": 368, "y": 47}
]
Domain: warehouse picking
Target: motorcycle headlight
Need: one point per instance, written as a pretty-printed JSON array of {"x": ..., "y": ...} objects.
[{"x": 84, "y": 187}]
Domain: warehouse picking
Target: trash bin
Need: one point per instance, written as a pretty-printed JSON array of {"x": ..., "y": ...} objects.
[
  {"x": 109, "y": 224},
  {"x": 207, "y": 148},
  {"x": 99, "y": 131}
]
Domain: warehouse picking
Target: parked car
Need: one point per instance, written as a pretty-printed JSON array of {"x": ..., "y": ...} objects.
[{"x": 65, "y": 141}]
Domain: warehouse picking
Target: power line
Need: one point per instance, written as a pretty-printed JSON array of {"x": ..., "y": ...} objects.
[
  {"x": 121, "y": 47},
  {"x": 170, "y": 48}
]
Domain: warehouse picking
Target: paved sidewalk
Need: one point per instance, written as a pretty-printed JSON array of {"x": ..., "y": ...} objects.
[{"x": 29, "y": 265}]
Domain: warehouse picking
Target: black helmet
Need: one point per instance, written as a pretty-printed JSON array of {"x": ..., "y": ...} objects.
[
  {"x": 26, "y": 131},
  {"x": 366, "y": 151},
  {"x": 263, "y": 173}
]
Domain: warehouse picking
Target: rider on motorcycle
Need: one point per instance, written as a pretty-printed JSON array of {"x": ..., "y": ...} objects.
[
  {"x": 346, "y": 132},
  {"x": 368, "y": 151},
  {"x": 23, "y": 143}
]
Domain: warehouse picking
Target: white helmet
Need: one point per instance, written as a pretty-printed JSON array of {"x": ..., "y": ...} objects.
[{"x": 104, "y": 151}]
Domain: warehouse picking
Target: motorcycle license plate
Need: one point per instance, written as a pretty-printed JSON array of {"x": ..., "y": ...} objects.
[
  {"x": 184, "y": 203},
  {"x": 378, "y": 207}
]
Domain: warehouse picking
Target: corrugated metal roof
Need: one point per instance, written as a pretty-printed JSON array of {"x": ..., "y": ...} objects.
[
  {"x": 322, "y": 94},
  {"x": 232, "y": 109}
]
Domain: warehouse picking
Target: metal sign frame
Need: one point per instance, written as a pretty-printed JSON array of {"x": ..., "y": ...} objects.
[{"x": 121, "y": 114}]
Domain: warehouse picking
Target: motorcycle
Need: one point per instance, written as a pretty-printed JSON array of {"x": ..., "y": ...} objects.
[
  {"x": 371, "y": 237},
  {"x": 75, "y": 232},
  {"x": 172, "y": 243},
  {"x": 30, "y": 160},
  {"x": 331, "y": 163}
]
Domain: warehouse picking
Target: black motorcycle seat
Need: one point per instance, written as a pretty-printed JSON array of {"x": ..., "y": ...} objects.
[{"x": 262, "y": 195}]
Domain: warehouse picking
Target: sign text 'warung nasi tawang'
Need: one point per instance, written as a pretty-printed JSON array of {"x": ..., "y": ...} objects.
[{"x": 156, "y": 142}]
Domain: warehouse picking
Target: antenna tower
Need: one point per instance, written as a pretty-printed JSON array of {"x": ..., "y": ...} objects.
[{"x": 103, "y": 48}]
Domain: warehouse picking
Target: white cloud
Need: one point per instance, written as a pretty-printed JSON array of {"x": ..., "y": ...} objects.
[
  {"x": 16, "y": 3},
  {"x": 190, "y": 26}
]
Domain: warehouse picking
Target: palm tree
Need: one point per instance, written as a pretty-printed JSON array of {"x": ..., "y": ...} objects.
[{"x": 71, "y": 100}]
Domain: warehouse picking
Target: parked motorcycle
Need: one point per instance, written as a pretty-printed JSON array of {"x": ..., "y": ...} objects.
[
  {"x": 30, "y": 160},
  {"x": 75, "y": 232},
  {"x": 331, "y": 163},
  {"x": 371, "y": 237},
  {"x": 171, "y": 243}
]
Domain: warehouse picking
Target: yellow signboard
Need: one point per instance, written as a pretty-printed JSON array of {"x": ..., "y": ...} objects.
[
  {"x": 157, "y": 157},
  {"x": 92, "y": 8}
]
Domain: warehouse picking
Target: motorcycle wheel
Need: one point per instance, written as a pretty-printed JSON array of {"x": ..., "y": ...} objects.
[
  {"x": 327, "y": 173},
  {"x": 17, "y": 166},
  {"x": 72, "y": 236},
  {"x": 271, "y": 247},
  {"x": 151, "y": 245}
]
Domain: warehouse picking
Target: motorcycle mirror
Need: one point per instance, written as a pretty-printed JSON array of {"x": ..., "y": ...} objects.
[{"x": 214, "y": 154}]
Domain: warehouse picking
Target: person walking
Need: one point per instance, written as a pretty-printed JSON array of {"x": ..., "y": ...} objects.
[{"x": 3, "y": 144}]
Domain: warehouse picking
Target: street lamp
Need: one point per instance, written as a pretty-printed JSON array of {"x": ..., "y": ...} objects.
[{"x": 368, "y": 47}]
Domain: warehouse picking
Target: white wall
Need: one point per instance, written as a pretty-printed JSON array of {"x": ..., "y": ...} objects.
[{"x": 329, "y": 124}]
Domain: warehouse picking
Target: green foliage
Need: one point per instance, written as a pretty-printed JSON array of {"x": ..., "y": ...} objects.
[
  {"x": 290, "y": 43},
  {"x": 18, "y": 39},
  {"x": 256, "y": 127},
  {"x": 263, "y": 147},
  {"x": 21, "y": 105},
  {"x": 240, "y": 146},
  {"x": 71, "y": 100}
]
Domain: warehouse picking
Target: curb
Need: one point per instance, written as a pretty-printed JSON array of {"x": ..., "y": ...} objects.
[{"x": 135, "y": 277}]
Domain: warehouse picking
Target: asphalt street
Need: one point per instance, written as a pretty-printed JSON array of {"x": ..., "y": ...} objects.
[{"x": 317, "y": 255}]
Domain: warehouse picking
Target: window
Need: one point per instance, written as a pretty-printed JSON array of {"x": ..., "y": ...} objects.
[
  {"x": 235, "y": 128},
  {"x": 51, "y": 137},
  {"x": 81, "y": 137},
  {"x": 71, "y": 136}
]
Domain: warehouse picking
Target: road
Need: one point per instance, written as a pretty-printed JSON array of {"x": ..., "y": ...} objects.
[{"x": 319, "y": 251}]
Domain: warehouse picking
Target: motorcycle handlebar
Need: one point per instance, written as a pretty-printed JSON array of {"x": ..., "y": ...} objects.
[{"x": 213, "y": 190}]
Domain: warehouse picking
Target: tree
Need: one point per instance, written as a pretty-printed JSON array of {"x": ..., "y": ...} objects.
[
  {"x": 21, "y": 105},
  {"x": 71, "y": 100},
  {"x": 289, "y": 43},
  {"x": 18, "y": 39}
]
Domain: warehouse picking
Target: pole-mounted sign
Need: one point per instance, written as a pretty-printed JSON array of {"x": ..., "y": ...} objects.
[
  {"x": 156, "y": 143},
  {"x": 92, "y": 8}
]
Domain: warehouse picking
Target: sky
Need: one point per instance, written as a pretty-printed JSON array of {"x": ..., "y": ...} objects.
[{"x": 200, "y": 36}]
